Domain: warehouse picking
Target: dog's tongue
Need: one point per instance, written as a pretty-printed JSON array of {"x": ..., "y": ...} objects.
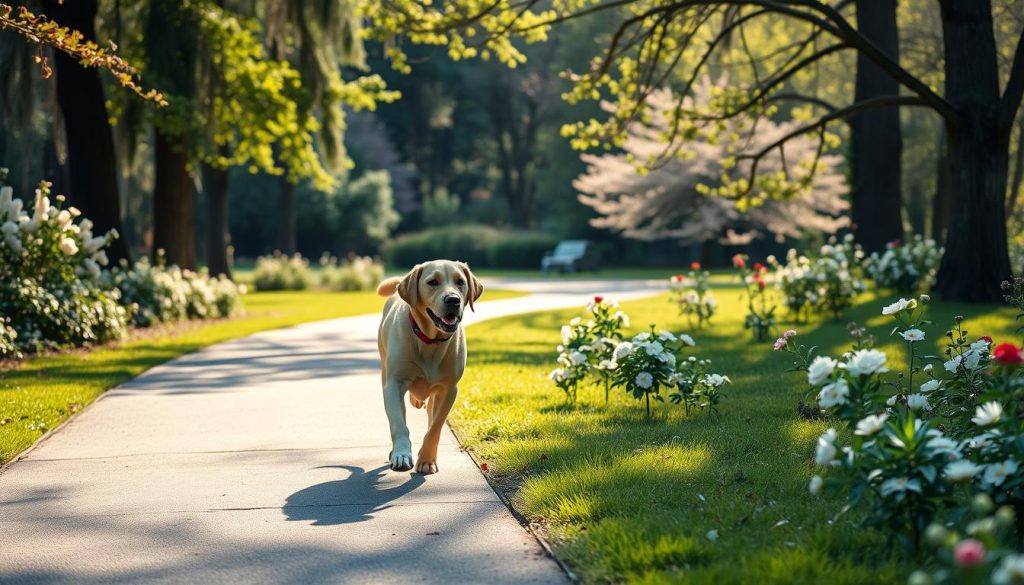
[{"x": 450, "y": 319}]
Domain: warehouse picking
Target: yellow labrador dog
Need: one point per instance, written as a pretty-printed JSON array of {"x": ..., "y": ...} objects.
[{"x": 423, "y": 351}]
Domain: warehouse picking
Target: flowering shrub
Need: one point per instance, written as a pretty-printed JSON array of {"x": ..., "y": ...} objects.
[
  {"x": 900, "y": 462},
  {"x": 8, "y": 348},
  {"x": 358, "y": 273},
  {"x": 280, "y": 272},
  {"x": 160, "y": 294},
  {"x": 691, "y": 293},
  {"x": 586, "y": 348},
  {"x": 50, "y": 286},
  {"x": 605, "y": 331},
  {"x": 825, "y": 283},
  {"x": 651, "y": 361},
  {"x": 574, "y": 358},
  {"x": 760, "y": 317},
  {"x": 906, "y": 268}
]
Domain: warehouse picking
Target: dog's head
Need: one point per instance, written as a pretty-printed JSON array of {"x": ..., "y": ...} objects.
[{"x": 441, "y": 289}]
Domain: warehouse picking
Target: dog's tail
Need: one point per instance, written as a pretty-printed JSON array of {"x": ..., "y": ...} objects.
[{"x": 388, "y": 286}]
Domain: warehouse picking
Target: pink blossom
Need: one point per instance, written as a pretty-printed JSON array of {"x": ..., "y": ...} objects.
[
  {"x": 789, "y": 333},
  {"x": 779, "y": 343},
  {"x": 969, "y": 553}
]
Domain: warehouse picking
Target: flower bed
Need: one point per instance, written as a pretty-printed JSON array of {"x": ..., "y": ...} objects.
[{"x": 905, "y": 267}]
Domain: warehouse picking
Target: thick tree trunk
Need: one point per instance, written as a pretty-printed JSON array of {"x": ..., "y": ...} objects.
[
  {"x": 218, "y": 236},
  {"x": 1018, "y": 172},
  {"x": 875, "y": 141},
  {"x": 287, "y": 216},
  {"x": 943, "y": 191},
  {"x": 173, "y": 202},
  {"x": 976, "y": 259},
  {"x": 90, "y": 141}
]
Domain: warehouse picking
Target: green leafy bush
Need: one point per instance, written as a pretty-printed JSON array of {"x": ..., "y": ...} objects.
[
  {"x": 520, "y": 249},
  {"x": 50, "y": 278},
  {"x": 279, "y": 272},
  {"x": 359, "y": 273}
]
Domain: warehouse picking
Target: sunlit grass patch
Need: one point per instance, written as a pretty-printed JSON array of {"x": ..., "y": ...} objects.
[{"x": 625, "y": 499}]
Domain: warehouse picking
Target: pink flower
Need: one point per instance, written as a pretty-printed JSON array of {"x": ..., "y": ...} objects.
[
  {"x": 694, "y": 265},
  {"x": 969, "y": 553},
  {"x": 738, "y": 261},
  {"x": 779, "y": 344},
  {"x": 790, "y": 333}
]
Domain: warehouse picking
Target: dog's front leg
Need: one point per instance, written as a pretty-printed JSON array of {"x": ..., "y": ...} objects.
[
  {"x": 440, "y": 405},
  {"x": 401, "y": 446}
]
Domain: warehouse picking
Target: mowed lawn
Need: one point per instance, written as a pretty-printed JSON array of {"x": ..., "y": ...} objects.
[
  {"x": 625, "y": 499},
  {"x": 43, "y": 391}
]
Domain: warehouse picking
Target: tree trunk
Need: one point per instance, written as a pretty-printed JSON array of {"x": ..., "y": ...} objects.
[
  {"x": 943, "y": 190},
  {"x": 976, "y": 259},
  {"x": 287, "y": 216},
  {"x": 173, "y": 202},
  {"x": 90, "y": 141},
  {"x": 218, "y": 235},
  {"x": 1018, "y": 172},
  {"x": 875, "y": 141}
]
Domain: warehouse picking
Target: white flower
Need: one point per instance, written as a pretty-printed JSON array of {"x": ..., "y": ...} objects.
[
  {"x": 900, "y": 305},
  {"x": 692, "y": 298},
  {"x": 668, "y": 358},
  {"x": 712, "y": 535},
  {"x": 918, "y": 402},
  {"x": 716, "y": 380},
  {"x": 643, "y": 336},
  {"x": 1010, "y": 571},
  {"x": 980, "y": 345},
  {"x": 622, "y": 318},
  {"x": 928, "y": 368},
  {"x": 952, "y": 364},
  {"x": 9, "y": 228},
  {"x": 987, "y": 414},
  {"x": 958, "y": 471},
  {"x": 68, "y": 245},
  {"x": 944, "y": 445},
  {"x": 14, "y": 243},
  {"x": 644, "y": 380},
  {"x": 825, "y": 451},
  {"x": 92, "y": 267},
  {"x": 577, "y": 358},
  {"x": 6, "y": 195},
  {"x": 870, "y": 424},
  {"x": 666, "y": 336},
  {"x": 622, "y": 350},
  {"x": 892, "y": 400},
  {"x": 687, "y": 339},
  {"x": 972, "y": 360},
  {"x": 820, "y": 369},
  {"x": 930, "y": 385},
  {"x": 566, "y": 333},
  {"x": 996, "y": 473},
  {"x": 912, "y": 335},
  {"x": 575, "y": 321},
  {"x": 654, "y": 348},
  {"x": 866, "y": 362},
  {"x": 900, "y": 484},
  {"x": 607, "y": 365},
  {"x": 815, "y": 486},
  {"x": 834, "y": 394},
  {"x": 558, "y": 374}
]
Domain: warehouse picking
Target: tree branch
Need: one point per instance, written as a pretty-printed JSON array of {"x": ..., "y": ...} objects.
[{"x": 1011, "y": 99}]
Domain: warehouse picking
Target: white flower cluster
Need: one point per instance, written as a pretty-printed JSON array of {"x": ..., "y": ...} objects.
[
  {"x": 824, "y": 282},
  {"x": 50, "y": 264},
  {"x": 359, "y": 273},
  {"x": 280, "y": 272},
  {"x": 905, "y": 267}
]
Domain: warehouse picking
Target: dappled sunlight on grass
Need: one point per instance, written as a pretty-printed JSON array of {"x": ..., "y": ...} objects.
[{"x": 627, "y": 499}]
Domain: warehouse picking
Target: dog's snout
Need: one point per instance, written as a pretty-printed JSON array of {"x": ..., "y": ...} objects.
[{"x": 452, "y": 300}]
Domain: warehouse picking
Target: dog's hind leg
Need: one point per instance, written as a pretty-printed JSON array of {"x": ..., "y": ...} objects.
[
  {"x": 438, "y": 406},
  {"x": 401, "y": 447}
]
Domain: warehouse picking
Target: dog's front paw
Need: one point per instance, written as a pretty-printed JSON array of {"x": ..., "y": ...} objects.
[
  {"x": 416, "y": 402},
  {"x": 426, "y": 467},
  {"x": 401, "y": 460}
]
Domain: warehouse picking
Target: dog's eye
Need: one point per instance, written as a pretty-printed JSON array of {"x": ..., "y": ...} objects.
[
  {"x": 460, "y": 282},
  {"x": 433, "y": 282}
]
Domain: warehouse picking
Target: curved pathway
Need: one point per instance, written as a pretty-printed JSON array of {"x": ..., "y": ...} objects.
[{"x": 263, "y": 460}]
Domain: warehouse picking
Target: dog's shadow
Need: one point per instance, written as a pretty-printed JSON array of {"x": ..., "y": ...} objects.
[{"x": 353, "y": 499}]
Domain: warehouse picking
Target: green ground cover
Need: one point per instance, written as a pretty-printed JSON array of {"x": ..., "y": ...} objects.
[
  {"x": 41, "y": 392},
  {"x": 625, "y": 499}
]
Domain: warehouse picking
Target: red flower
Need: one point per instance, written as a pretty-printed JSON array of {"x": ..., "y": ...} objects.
[
  {"x": 677, "y": 278},
  {"x": 969, "y": 553},
  {"x": 598, "y": 299},
  {"x": 895, "y": 243},
  {"x": 694, "y": 265},
  {"x": 738, "y": 261},
  {"x": 1007, "y": 354},
  {"x": 758, "y": 267},
  {"x": 986, "y": 338},
  {"x": 761, "y": 284}
]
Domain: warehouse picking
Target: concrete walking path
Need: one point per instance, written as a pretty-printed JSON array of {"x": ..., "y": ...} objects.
[{"x": 263, "y": 460}]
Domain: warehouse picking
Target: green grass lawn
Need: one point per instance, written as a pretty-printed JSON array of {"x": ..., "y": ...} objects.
[
  {"x": 625, "y": 499},
  {"x": 43, "y": 391}
]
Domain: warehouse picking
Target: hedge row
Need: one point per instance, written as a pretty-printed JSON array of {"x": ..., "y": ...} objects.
[{"x": 480, "y": 246}]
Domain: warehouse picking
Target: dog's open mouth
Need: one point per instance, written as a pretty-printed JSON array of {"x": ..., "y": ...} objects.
[{"x": 449, "y": 323}]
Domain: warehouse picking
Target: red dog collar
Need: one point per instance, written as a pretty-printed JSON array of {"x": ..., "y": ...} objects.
[{"x": 423, "y": 336}]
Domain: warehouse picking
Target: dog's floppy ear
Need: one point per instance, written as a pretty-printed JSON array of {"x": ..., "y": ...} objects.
[
  {"x": 475, "y": 287},
  {"x": 409, "y": 287}
]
